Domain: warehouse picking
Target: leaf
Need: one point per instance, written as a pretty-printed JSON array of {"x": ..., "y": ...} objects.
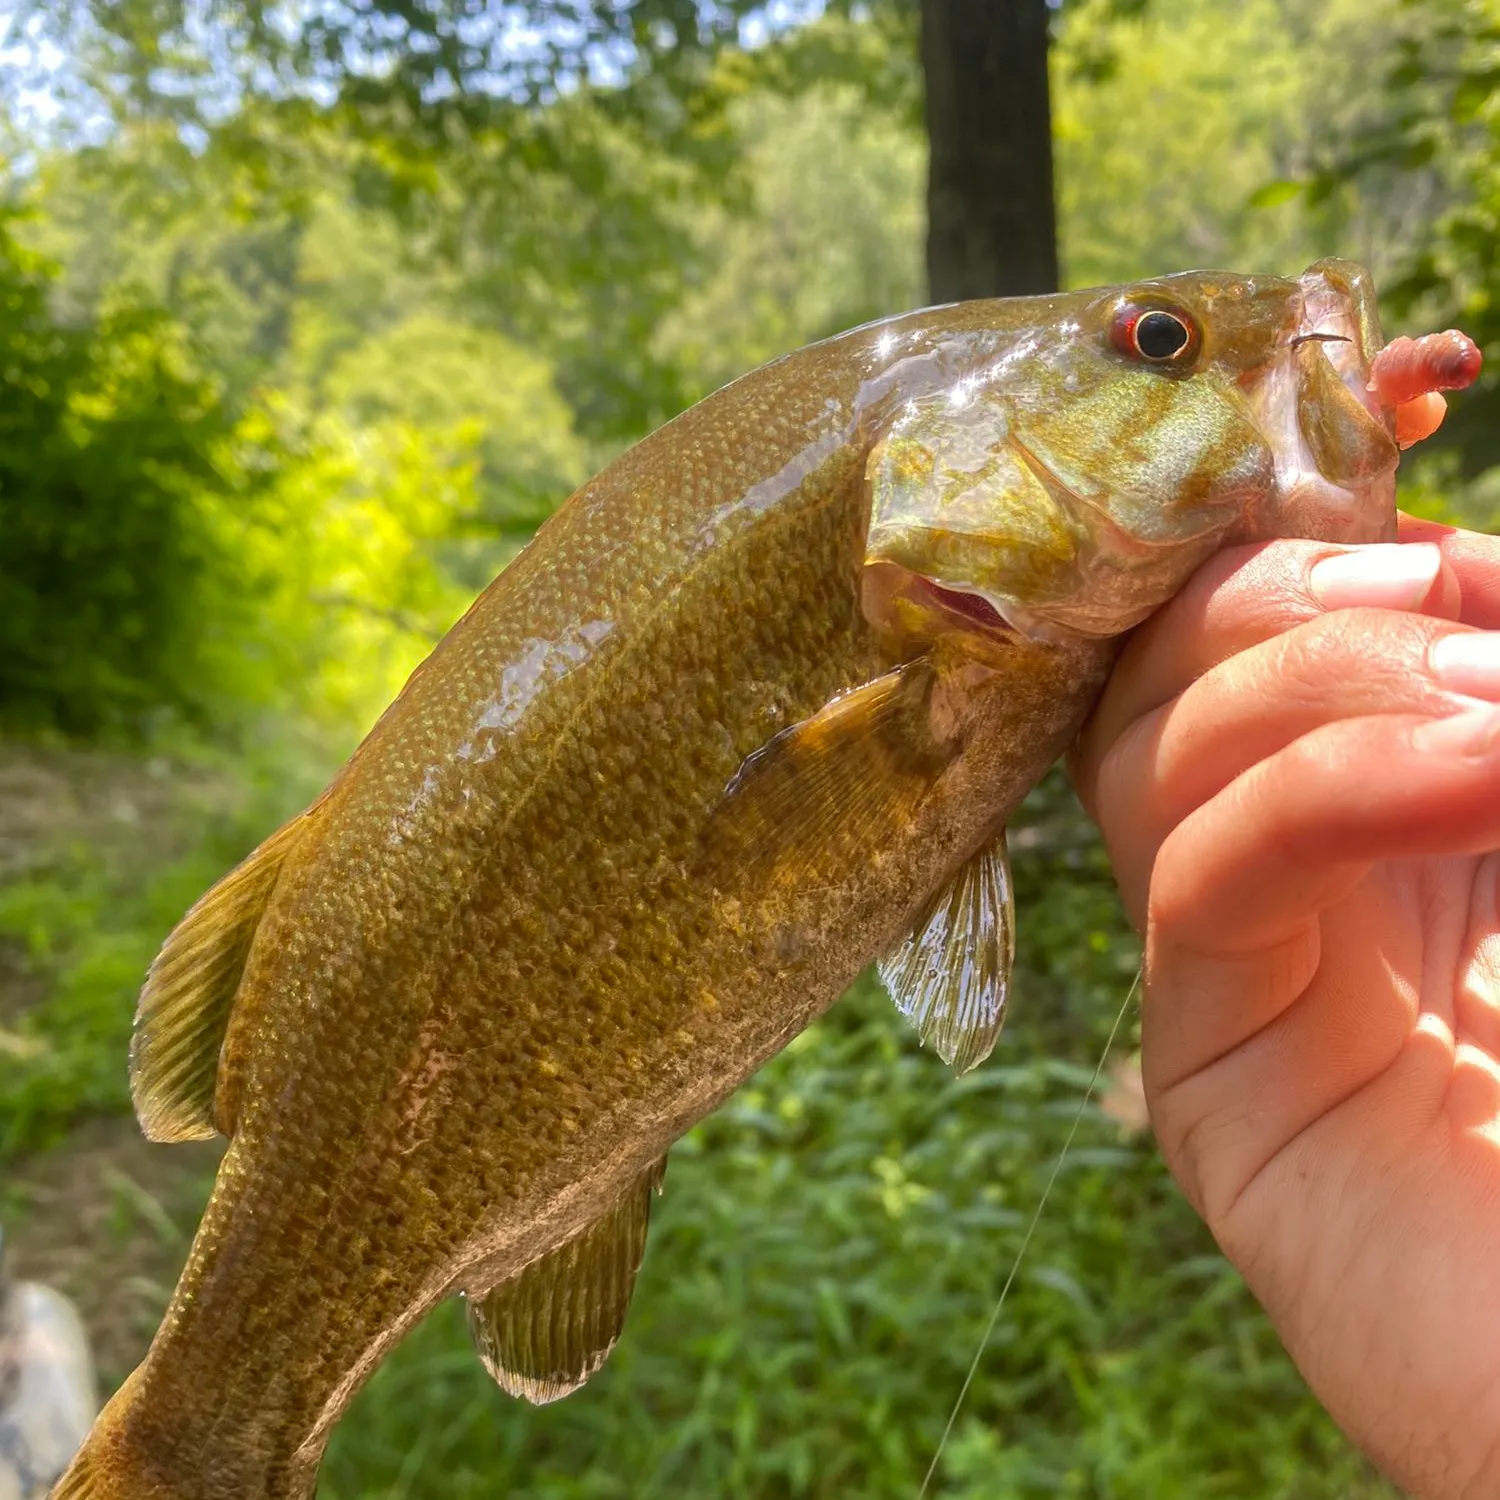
[
  {"x": 1274, "y": 194},
  {"x": 1473, "y": 94}
]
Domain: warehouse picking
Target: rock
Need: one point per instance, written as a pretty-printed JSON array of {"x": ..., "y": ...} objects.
[{"x": 47, "y": 1396}]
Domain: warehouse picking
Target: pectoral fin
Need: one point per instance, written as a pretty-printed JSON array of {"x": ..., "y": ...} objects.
[
  {"x": 838, "y": 784},
  {"x": 184, "y": 1007},
  {"x": 543, "y": 1333},
  {"x": 949, "y": 978}
]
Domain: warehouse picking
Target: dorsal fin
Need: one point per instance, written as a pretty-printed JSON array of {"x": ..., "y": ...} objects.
[
  {"x": 544, "y": 1332},
  {"x": 184, "y": 1007}
]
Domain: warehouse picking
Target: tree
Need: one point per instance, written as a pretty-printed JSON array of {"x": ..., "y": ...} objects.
[
  {"x": 1432, "y": 151},
  {"x": 423, "y": 79},
  {"x": 109, "y": 449},
  {"x": 991, "y": 220}
]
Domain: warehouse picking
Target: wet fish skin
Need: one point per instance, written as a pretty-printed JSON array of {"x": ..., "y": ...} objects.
[{"x": 523, "y": 942}]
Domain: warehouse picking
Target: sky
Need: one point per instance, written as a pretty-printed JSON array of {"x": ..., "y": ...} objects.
[
  {"x": 37, "y": 101},
  {"x": 44, "y": 91}
]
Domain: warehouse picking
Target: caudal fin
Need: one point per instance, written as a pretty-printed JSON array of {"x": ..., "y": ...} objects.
[
  {"x": 84, "y": 1482},
  {"x": 91, "y": 1477},
  {"x": 101, "y": 1469},
  {"x": 107, "y": 1466},
  {"x": 129, "y": 1455}
]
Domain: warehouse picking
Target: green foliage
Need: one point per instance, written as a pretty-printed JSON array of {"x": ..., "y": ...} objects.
[
  {"x": 440, "y": 374},
  {"x": 1186, "y": 153},
  {"x": 342, "y": 591},
  {"x": 109, "y": 447},
  {"x": 159, "y": 559},
  {"x": 1434, "y": 146},
  {"x": 152, "y": 54},
  {"x": 91, "y": 936},
  {"x": 89, "y": 914},
  {"x": 833, "y": 237},
  {"x": 172, "y": 548},
  {"x": 219, "y": 259}
]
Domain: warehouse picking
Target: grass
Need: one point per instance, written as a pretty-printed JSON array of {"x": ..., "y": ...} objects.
[
  {"x": 820, "y": 1268},
  {"x": 89, "y": 911}
]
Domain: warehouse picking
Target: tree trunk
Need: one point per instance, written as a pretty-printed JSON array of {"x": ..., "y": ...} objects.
[{"x": 991, "y": 222}]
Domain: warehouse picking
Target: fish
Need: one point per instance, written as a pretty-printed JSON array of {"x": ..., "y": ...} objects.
[{"x": 748, "y": 715}]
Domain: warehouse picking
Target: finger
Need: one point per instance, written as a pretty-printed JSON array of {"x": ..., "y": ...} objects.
[
  {"x": 1346, "y": 665},
  {"x": 1244, "y": 596},
  {"x": 1245, "y": 1042},
  {"x": 1252, "y": 867},
  {"x": 1474, "y": 560}
]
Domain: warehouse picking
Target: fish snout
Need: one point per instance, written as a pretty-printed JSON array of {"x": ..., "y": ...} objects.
[
  {"x": 1334, "y": 444},
  {"x": 1340, "y": 310}
]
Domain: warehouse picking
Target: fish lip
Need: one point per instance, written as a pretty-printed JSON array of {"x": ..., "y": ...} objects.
[
  {"x": 1338, "y": 308},
  {"x": 1337, "y": 305}
]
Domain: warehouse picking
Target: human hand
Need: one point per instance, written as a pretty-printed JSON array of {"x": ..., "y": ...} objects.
[{"x": 1297, "y": 770}]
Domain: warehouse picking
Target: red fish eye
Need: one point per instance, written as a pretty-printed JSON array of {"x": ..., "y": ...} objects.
[{"x": 1154, "y": 334}]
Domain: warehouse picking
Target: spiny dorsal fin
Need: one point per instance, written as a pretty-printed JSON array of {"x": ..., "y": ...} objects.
[
  {"x": 845, "y": 780},
  {"x": 544, "y": 1332},
  {"x": 949, "y": 978},
  {"x": 189, "y": 992}
]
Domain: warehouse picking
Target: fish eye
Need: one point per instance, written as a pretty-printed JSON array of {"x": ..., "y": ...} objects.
[
  {"x": 1161, "y": 335},
  {"x": 1156, "y": 335}
]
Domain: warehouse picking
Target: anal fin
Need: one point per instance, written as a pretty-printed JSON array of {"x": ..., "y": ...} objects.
[
  {"x": 950, "y": 977},
  {"x": 184, "y": 1007},
  {"x": 544, "y": 1332}
]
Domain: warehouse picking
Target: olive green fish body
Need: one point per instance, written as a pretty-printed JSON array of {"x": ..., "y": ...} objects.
[{"x": 717, "y": 740}]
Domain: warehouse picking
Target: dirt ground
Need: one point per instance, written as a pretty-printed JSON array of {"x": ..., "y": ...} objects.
[
  {"x": 53, "y": 797},
  {"x": 106, "y": 1218}
]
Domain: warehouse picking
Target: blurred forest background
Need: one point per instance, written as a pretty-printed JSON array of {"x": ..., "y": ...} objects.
[{"x": 309, "y": 314}]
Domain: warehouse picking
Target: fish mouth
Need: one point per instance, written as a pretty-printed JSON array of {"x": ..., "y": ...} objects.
[
  {"x": 905, "y": 605},
  {"x": 1333, "y": 443},
  {"x": 972, "y": 609}
]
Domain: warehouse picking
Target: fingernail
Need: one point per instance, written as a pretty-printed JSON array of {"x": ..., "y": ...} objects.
[
  {"x": 1386, "y": 575},
  {"x": 1468, "y": 662},
  {"x": 1475, "y": 733}
]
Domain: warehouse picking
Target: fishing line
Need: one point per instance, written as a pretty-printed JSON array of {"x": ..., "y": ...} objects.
[{"x": 1036, "y": 1217}]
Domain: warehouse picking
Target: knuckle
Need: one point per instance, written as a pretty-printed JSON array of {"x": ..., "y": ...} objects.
[
  {"x": 1174, "y": 896},
  {"x": 1264, "y": 590},
  {"x": 1357, "y": 651},
  {"x": 1184, "y": 1145},
  {"x": 1279, "y": 568},
  {"x": 1206, "y": 1151}
]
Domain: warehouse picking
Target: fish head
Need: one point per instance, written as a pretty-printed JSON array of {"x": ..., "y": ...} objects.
[{"x": 1105, "y": 442}]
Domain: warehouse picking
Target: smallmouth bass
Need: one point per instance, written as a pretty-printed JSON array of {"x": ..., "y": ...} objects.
[{"x": 749, "y": 714}]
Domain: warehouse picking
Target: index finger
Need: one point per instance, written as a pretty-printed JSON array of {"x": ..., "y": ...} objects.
[
  {"x": 1474, "y": 559},
  {"x": 1242, "y": 597}
]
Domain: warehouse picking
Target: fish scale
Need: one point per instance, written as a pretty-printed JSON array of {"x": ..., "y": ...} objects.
[{"x": 699, "y": 756}]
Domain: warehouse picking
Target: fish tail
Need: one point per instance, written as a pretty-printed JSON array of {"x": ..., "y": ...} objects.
[
  {"x": 107, "y": 1467},
  {"x": 94, "y": 1475},
  {"x": 83, "y": 1481},
  {"x": 118, "y": 1461}
]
